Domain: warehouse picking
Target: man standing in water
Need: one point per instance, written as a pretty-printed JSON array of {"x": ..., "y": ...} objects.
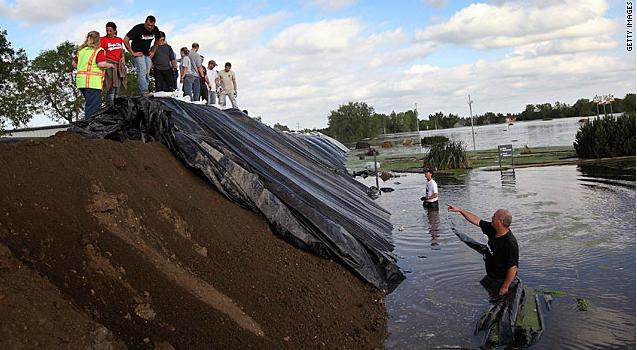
[
  {"x": 501, "y": 261},
  {"x": 430, "y": 200}
]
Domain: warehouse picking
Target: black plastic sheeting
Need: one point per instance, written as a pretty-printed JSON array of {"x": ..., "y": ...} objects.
[{"x": 298, "y": 182}]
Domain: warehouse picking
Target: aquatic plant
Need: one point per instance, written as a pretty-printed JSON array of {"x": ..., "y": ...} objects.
[
  {"x": 431, "y": 140},
  {"x": 451, "y": 155},
  {"x": 606, "y": 137}
]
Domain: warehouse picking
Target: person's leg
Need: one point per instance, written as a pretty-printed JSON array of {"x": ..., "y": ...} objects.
[
  {"x": 212, "y": 94},
  {"x": 92, "y": 98},
  {"x": 140, "y": 69},
  {"x": 168, "y": 80},
  {"x": 149, "y": 65},
  {"x": 196, "y": 89},
  {"x": 159, "y": 81},
  {"x": 222, "y": 98},
  {"x": 175, "y": 79},
  {"x": 188, "y": 80},
  {"x": 233, "y": 100}
]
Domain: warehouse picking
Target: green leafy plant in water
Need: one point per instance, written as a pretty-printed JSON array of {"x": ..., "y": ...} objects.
[
  {"x": 606, "y": 137},
  {"x": 583, "y": 304},
  {"x": 451, "y": 155},
  {"x": 432, "y": 140}
]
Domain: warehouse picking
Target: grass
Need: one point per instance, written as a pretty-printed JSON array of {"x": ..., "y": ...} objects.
[{"x": 486, "y": 158}]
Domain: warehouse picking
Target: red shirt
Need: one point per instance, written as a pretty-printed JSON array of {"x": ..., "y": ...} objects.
[{"x": 113, "y": 47}]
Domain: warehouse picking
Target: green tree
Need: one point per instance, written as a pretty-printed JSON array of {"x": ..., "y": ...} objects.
[
  {"x": 54, "y": 84},
  {"x": 354, "y": 121},
  {"x": 281, "y": 127},
  {"x": 14, "y": 85}
]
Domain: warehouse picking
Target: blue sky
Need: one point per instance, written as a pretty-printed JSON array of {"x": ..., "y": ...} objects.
[{"x": 297, "y": 60}]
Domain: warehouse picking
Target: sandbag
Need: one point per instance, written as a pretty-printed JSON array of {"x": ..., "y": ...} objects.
[{"x": 298, "y": 182}]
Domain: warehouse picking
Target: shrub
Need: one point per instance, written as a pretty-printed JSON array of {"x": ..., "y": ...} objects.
[
  {"x": 606, "y": 137},
  {"x": 431, "y": 140},
  {"x": 451, "y": 155}
]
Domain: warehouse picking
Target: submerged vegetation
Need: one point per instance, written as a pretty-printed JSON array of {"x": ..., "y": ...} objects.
[
  {"x": 431, "y": 140},
  {"x": 450, "y": 155},
  {"x": 606, "y": 137}
]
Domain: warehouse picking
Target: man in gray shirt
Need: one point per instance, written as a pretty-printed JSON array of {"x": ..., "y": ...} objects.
[{"x": 195, "y": 72}]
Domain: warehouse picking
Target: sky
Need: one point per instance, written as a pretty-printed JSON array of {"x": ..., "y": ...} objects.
[{"x": 297, "y": 60}]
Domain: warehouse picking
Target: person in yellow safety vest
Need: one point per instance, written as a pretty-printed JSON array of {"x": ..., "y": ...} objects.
[{"x": 90, "y": 61}]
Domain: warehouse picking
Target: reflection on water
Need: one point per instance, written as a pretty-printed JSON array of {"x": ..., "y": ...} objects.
[{"x": 576, "y": 231}]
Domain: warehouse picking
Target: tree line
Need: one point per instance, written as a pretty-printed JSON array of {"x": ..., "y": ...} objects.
[
  {"x": 357, "y": 120},
  {"x": 44, "y": 85}
]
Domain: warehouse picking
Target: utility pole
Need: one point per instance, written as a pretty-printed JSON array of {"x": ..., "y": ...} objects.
[
  {"x": 473, "y": 134},
  {"x": 417, "y": 123}
]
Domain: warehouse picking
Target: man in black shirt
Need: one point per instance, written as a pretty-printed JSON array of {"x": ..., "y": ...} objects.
[
  {"x": 137, "y": 41},
  {"x": 501, "y": 261}
]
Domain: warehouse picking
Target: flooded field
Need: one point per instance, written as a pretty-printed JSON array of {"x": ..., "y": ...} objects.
[{"x": 576, "y": 231}]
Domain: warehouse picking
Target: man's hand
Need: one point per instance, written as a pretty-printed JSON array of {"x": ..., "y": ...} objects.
[
  {"x": 503, "y": 290},
  {"x": 454, "y": 209},
  {"x": 138, "y": 53},
  {"x": 235, "y": 94}
]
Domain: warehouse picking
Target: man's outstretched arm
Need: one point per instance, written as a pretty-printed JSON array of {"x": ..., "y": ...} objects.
[{"x": 471, "y": 217}]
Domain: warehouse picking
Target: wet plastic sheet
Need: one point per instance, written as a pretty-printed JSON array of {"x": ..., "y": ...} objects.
[{"x": 298, "y": 182}]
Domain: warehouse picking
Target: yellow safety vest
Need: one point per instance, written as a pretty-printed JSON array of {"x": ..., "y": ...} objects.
[{"x": 89, "y": 75}]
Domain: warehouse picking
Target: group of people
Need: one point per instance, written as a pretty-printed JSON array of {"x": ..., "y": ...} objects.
[
  {"x": 501, "y": 262},
  {"x": 101, "y": 66}
]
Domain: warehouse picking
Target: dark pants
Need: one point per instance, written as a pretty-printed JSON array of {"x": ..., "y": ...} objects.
[
  {"x": 175, "y": 78},
  {"x": 164, "y": 80},
  {"x": 92, "y": 98},
  {"x": 430, "y": 205}
]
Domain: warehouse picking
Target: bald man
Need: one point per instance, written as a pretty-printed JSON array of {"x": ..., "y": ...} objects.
[{"x": 501, "y": 262}]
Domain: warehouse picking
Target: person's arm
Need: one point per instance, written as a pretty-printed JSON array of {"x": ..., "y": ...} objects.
[
  {"x": 174, "y": 64},
  {"x": 154, "y": 48},
  {"x": 234, "y": 83},
  {"x": 511, "y": 272},
  {"x": 471, "y": 217},
  {"x": 129, "y": 48},
  {"x": 75, "y": 61}
]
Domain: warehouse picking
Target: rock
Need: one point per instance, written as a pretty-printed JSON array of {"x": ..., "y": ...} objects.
[{"x": 362, "y": 145}]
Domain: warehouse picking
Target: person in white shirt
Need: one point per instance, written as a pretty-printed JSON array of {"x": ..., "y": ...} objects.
[
  {"x": 228, "y": 86},
  {"x": 430, "y": 200},
  {"x": 212, "y": 80}
]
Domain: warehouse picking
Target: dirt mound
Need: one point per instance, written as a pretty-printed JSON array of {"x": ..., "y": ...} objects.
[{"x": 149, "y": 250}]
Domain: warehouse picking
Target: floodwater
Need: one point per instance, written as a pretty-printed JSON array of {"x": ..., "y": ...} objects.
[
  {"x": 535, "y": 133},
  {"x": 576, "y": 231}
]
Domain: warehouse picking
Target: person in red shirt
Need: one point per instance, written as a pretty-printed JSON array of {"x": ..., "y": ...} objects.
[{"x": 116, "y": 76}]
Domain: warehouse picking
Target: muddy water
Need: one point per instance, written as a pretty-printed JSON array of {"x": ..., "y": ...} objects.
[{"x": 576, "y": 231}]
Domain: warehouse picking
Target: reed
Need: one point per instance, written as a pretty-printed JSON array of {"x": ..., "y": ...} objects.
[{"x": 450, "y": 155}]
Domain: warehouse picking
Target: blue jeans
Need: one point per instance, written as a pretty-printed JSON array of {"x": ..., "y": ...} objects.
[
  {"x": 142, "y": 66},
  {"x": 92, "y": 98},
  {"x": 189, "y": 85}
]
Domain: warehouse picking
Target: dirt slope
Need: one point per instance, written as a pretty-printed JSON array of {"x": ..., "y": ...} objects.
[{"x": 152, "y": 252}]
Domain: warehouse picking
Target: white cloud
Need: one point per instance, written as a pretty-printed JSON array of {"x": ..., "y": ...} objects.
[
  {"x": 332, "y": 5},
  {"x": 514, "y": 23},
  {"x": 29, "y": 12},
  {"x": 319, "y": 37},
  {"x": 403, "y": 55}
]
